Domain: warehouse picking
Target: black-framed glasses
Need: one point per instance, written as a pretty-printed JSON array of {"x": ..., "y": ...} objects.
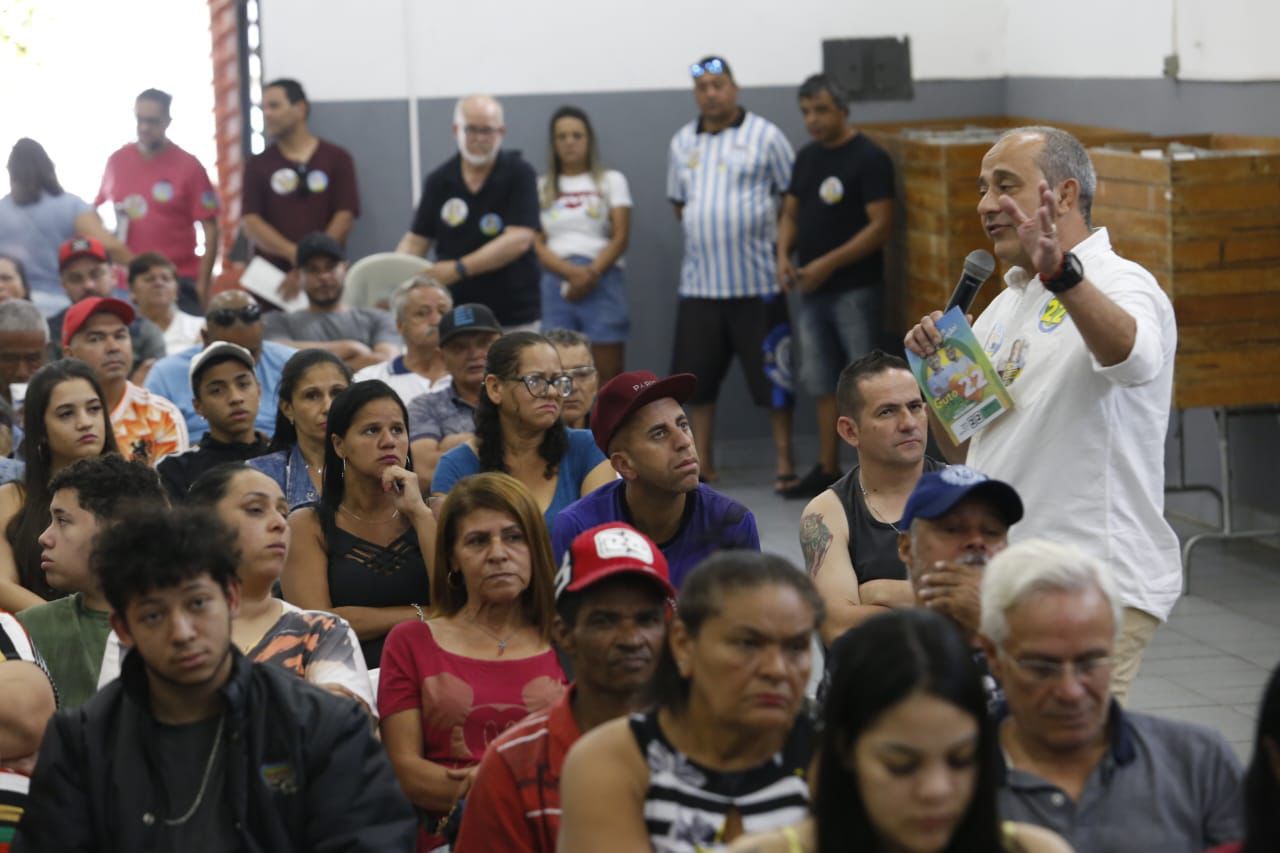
[
  {"x": 538, "y": 384},
  {"x": 714, "y": 65},
  {"x": 248, "y": 315}
]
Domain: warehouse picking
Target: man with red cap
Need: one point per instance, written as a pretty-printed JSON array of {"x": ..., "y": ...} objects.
[
  {"x": 147, "y": 426},
  {"x": 639, "y": 421},
  {"x": 611, "y": 606}
]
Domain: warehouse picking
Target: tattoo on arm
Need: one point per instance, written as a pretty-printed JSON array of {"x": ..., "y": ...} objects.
[{"x": 815, "y": 539}]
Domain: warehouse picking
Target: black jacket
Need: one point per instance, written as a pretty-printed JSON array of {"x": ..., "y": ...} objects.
[{"x": 97, "y": 787}]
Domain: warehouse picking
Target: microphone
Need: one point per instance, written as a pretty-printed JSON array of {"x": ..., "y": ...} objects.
[{"x": 978, "y": 267}]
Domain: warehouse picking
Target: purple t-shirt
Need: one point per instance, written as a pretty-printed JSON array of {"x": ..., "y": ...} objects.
[{"x": 712, "y": 522}]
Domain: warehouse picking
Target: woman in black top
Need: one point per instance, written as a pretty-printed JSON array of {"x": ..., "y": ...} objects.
[{"x": 359, "y": 551}]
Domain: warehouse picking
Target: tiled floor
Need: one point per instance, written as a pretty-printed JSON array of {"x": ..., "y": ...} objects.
[{"x": 1208, "y": 664}]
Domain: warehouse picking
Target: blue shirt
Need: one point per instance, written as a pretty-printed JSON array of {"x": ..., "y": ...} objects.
[
  {"x": 169, "y": 377},
  {"x": 32, "y": 233},
  {"x": 289, "y": 470},
  {"x": 711, "y": 522},
  {"x": 578, "y": 461}
]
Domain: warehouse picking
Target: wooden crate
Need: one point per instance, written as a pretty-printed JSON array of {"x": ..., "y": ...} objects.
[{"x": 1208, "y": 228}]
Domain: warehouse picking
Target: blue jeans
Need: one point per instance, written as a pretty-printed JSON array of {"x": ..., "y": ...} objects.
[
  {"x": 603, "y": 316},
  {"x": 835, "y": 328}
]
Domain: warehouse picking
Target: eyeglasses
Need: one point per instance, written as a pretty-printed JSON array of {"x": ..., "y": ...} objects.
[
  {"x": 473, "y": 130},
  {"x": 538, "y": 384},
  {"x": 714, "y": 65},
  {"x": 248, "y": 315},
  {"x": 1048, "y": 670},
  {"x": 580, "y": 374}
]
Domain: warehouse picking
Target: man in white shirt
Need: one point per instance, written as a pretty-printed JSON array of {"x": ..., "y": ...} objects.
[
  {"x": 417, "y": 305},
  {"x": 1085, "y": 341}
]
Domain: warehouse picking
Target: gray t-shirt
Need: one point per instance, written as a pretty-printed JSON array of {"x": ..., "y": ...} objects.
[
  {"x": 369, "y": 326},
  {"x": 440, "y": 413},
  {"x": 32, "y": 233}
]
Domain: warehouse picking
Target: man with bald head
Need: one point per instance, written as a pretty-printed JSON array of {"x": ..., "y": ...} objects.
[
  {"x": 479, "y": 210},
  {"x": 233, "y": 316}
]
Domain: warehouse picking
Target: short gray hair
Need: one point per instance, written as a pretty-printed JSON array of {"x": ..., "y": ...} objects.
[
  {"x": 1062, "y": 157},
  {"x": 459, "y": 119},
  {"x": 400, "y": 298},
  {"x": 19, "y": 315},
  {"x": 1038, "y": 566},
  {"x": 567, "y": 338}
]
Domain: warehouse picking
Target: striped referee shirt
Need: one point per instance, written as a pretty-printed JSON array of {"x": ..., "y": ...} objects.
[{"x": 728, "y": 183}]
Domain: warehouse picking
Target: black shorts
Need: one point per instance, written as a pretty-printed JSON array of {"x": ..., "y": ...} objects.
[{"x": 709, "y": 332}]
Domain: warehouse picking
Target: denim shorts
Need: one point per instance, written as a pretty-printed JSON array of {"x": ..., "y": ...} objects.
[
  {"x": 603, "y": 316},
  {"x": 835, "y": 328}
]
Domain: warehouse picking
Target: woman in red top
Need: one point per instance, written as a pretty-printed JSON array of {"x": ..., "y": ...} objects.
[{"x": 451, "y": 684}]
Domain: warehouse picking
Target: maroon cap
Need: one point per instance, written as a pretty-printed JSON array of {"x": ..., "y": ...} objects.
[
  {"x": 607, "y": 551},
  {"x": 77, "y": 315},
  {"x": 626, "y": 392},
  {"x": 80, "y": 247}
]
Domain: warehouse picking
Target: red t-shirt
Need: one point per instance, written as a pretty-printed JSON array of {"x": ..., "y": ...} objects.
[
  {"x": 465, "y": 702},
  {"x": 161, "y": 198},
  {"x": 297, "y": 199},
  {"x": 514, "y": 804}
]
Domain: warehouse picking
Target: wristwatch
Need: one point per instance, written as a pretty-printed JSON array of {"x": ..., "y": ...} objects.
[
  {"x": 1069, "y": 274},
  {"x": 460, "y": 268}
]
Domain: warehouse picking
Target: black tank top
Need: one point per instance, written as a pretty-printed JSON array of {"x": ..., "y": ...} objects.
[
  {"x": 365, "y": 574},
  {"x": 873, "y": 544}
]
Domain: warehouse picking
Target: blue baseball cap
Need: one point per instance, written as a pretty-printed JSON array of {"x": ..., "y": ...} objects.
[{"x": 939, "y": 491}]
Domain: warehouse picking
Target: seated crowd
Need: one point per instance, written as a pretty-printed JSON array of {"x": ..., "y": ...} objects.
[{"x": 425, "y": 578}]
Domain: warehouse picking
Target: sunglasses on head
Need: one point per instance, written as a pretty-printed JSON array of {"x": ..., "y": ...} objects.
[
  {"x": 248, "y": 315},
  {"x": 714, "y": 65}
]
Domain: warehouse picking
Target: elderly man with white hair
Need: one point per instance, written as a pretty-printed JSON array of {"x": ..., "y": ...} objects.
[
  {"x": 479, "y": 210},
  {"x": 417, "y": 306},
  {"x": 1074, "y": 761}
]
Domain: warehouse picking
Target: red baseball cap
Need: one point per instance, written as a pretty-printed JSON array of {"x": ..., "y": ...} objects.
[
  {"x": 609, "y": 550},
  {"x": 80, "y": 247},
  {"x": 77, "y": 315},
  {"x": 626, "y": 392}
]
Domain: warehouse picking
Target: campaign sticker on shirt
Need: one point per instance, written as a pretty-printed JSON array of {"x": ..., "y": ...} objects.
[
  {"x": 162, "y": 191},
  {"x": 454, "y": 212},
  {"x": 490, "y": 224},
  {"x": 831, "y": 190},
  {"x": 693, "y": 160},
  {"x": 594, "y": 208},
  {"x": 1010, "y": 368},
  {"x": 284, "y": 181},
  {"x": 209, "y": 200},
  {"x": 134, "y": 206},
  {"x": 317, "y": 181},
  {"x": 994, "y": 338},
  {"x": 1052, "y": 315}
]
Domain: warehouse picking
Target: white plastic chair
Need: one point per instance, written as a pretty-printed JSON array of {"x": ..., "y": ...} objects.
[{"x": 372, "y": 279}]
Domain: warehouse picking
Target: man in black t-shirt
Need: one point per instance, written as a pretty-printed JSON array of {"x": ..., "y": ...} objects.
[
  {"x": 837, "y": 215},
  {"x": 480, "y": 212}
]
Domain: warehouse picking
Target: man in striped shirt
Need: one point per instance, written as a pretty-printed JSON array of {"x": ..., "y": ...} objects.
[{"x": 726, "y": 171}]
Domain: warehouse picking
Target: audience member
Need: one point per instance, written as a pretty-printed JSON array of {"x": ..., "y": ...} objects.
[
  {"x": 1075, "y": 762},
  {"x": 29, "y": 703},
  {"x": 1262, "y": 781},
  {"x": 448, "y": 686},
  {"x": 479, "y": 211},
  {"x": 519, "y": 431},
  {"x": 1093, "y": 392},
  {"x": 361, "y": 551},
  {"x": 300, "y": 184},
  {"x": 226, "y": 393},
  {"x": 586, "y": 223},
  {"x": 153, "y": 287},
  {"x": 417, "y": 306},
  {"x": 13, "y": 279},
  {"x": 309, "y": 383},
  {"x": 37, "y": 216},
  {"x": 285, "y": 766},
  {"x": 88, "y": 496},
  {"x": 65, "y": 419},
  {"x": 24, "y": 346},
  {"x": 724, "y": 169},
  {"x": 612, "y": 593},
  {"x": 85, "y": 273},
  {"x": 837, "y": 215},
  {"x": 849, "y": 533},
  {"x": 161, "y": 194},
  {"x": 442, "y": 420},
  {"x": 235, "y": 317},
  {"x": 316, "y": 646},
  {"x": 727, "y": 748},
  {"x": 147, "y": 426},
  {"x": 575, "y": 350},
  {"x": 640, "y": 423}
]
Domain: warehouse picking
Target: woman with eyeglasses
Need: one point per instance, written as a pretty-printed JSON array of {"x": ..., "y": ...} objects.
[
  {"x": 310, "y": 381},
  {"x": 586, "y": 223},
  {"x": 519, "y": 430}
]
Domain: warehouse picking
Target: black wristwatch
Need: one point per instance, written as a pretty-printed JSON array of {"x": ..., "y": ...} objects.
[
  {"x": 460, "y": 268},
  {"x": 1069, "y": 274}
]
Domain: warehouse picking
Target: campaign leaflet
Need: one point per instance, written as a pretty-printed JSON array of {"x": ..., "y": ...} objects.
[{"x": 958, "y": 381}]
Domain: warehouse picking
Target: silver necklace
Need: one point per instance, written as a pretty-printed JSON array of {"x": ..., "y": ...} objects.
[
  {"x": 208, "y": 771},
  {"x": 386, "y": 520},
  {"x": 877, "y": 516},
  {"x": 502, "y": 641}
]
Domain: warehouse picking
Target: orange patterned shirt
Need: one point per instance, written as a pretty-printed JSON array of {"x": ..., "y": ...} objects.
[{"x": 147, "y": 426}]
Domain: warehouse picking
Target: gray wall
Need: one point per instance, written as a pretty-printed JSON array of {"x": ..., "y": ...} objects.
[{"x": 634, "y": 129}]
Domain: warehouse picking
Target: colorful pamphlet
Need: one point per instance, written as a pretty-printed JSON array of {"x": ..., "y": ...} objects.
[{"x": 958, "y": 381}]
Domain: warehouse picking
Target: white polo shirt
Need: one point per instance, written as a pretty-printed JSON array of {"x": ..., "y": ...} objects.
[{"x": 1084, "y": 445}]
